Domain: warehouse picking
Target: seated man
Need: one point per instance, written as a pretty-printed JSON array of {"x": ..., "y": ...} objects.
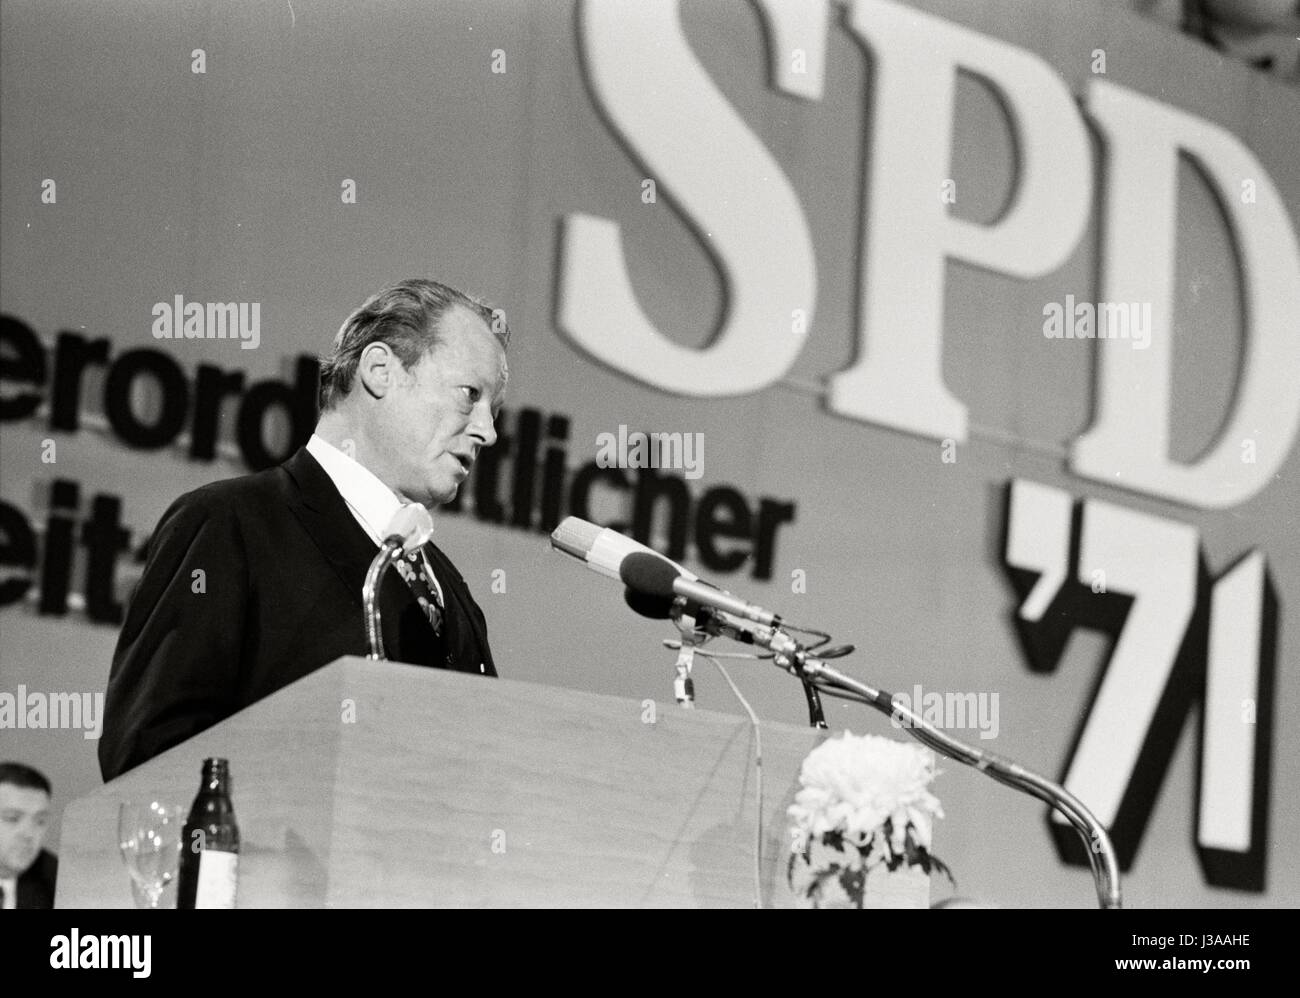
[
  {"x": 254, "y": 582},
  {"x": 27, "y": 871}
]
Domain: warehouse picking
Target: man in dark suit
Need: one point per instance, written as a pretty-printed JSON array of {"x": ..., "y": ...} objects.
[
  {"x": 256, "y": 581},
  {"x": 27, "y": 872}
]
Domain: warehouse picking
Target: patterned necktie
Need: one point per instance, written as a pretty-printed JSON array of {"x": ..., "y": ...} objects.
[{"x": 415, "y": 570}]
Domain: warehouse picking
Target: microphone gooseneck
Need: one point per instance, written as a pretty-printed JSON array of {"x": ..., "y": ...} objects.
[{"x": 407, "y": 532}]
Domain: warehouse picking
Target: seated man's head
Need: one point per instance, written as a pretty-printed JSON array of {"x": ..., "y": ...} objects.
[
  {"x": 413, "y": 385},
  {"x": 24, "y": 815}
]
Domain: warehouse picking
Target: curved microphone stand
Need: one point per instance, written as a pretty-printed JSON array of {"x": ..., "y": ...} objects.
[
  {"x": 388, "y": 554},
  {"x": 794, "y": 659},
  {"x": 408, "y": 531}
]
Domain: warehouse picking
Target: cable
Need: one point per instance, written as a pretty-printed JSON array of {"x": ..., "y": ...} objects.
[
  {"x": 822, "y": 635},
  {"x": 758, "y": 767}
]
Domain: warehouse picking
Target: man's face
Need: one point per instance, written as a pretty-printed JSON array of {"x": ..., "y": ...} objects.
[
  {"x": 440, "y": 413},
  {"x": 24, "y": 813}
]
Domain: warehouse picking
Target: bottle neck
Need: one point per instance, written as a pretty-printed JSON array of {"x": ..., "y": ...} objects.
[
  {"x": 215, "y": 788},
  {"x": 216, "y": 780}
]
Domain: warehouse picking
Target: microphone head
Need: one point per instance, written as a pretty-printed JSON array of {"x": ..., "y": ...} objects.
[
  {"x": 575, "y": 536},
  {"x": 412, "y": 526},
  {"x": 650, "y": 574},
  {"x": 604, "y": 550}
]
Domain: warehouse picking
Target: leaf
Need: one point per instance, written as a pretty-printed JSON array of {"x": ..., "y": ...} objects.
[
  {"x": 854, "y": 883},
  {"x": 942, "y": 867}
]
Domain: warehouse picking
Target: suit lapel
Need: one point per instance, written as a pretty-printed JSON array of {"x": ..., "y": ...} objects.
[{"x": 464, "y": 630}]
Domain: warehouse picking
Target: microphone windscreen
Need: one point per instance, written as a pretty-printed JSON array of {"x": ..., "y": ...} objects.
[
  {"x": 654, "y": 607},
  {"x": 649, "y": 574}
]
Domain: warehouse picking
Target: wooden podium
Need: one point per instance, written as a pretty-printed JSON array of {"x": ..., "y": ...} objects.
[{"x": 374, "y": 784}]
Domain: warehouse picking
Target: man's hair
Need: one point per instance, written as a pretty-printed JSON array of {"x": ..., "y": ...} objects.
[
  {"x": 24, "y": 776},
  {"x": 405, "y": 317}
]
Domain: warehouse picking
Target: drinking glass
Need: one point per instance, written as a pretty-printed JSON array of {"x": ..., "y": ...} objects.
[{"x": 149, "y": 836}]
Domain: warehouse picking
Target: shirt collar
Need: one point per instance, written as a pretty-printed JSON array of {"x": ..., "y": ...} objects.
[{"x": 371, "y": 501}]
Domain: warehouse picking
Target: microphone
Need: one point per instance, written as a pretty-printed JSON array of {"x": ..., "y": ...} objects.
[
  {"x": 711, "y": 621},
  {"x": 656, "y": 577},
  {"x": 407, "y": 532},
  {"x": 603, "y": 550}
]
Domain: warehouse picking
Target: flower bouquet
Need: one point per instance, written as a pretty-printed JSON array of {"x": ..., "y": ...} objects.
[{"x": 861, "y": 824}]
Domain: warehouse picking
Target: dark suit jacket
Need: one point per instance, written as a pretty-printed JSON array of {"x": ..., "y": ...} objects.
[
  {"x": 36, "y": 885},
  {"x": 252, "y": 583}
]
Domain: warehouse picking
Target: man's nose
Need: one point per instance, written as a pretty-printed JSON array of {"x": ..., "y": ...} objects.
[{"x": 484, "y": 427}]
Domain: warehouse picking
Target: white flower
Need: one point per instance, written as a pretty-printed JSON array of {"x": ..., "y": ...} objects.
[{"x": 853, "y": 784}]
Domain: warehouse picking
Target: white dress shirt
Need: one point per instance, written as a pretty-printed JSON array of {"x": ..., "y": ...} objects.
[
  {"x": 372, "y": 503},
  {"x": 10, "y": 887}
]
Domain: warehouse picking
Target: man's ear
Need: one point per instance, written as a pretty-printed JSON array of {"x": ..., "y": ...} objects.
[{"x": 378, "y": 369}]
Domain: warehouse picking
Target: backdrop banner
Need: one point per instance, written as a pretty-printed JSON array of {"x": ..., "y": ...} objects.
[{"x": 963, "y": 330}]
